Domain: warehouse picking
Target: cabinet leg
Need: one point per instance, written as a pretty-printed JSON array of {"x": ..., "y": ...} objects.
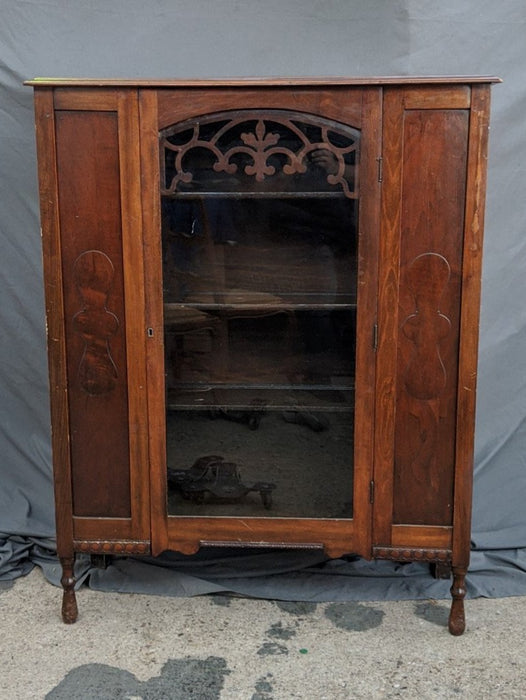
[
  {"x": 457, "y": 618},
  {"x": 100, "y": 561},
  {"x": 441, "y": 570},
  {"x": 69, "y": 601}
]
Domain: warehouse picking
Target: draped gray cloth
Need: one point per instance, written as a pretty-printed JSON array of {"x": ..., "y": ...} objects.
[{"x": 218, "y": 38}]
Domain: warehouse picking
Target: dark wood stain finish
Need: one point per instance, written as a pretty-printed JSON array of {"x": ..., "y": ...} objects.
[
  {"x": 432, "y": 221},
  {"x": 92, "y": 269},
  {"x": 422, "y": 180}
]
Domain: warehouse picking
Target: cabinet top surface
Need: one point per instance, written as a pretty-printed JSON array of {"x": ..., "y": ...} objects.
[{"x": 264, "y": 82}]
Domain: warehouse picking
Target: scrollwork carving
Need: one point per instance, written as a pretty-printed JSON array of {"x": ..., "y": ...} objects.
[
  {"x": 260, "y": 144},
  {"x": 93, "y": 274},
  {"x": 425, "y": 376}
]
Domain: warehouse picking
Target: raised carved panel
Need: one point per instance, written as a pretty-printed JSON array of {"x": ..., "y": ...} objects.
[
  {"x": 427, "y": 277},
  {"x": 260, "y": 144},
  {"x": 425, "y": 340},
  {"x": 93, "y": 274}
]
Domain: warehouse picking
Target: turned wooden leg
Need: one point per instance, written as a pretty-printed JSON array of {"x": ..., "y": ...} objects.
[
  {"x": 69, "y": 601},
  {"x": 457, "y": 618}
]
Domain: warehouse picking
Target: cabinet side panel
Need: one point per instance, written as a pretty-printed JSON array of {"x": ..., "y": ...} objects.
[
  {"x": 432, "y": 221},
  {"x": 90, "y": 218},
  {"x": 474, "y": 229}
]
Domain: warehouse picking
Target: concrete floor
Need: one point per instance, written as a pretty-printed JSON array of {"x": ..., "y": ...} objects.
[{"x": 135, "y": 647}]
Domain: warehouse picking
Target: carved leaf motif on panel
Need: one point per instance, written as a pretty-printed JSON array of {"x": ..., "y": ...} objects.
[
  {"x": 93, "y": 274},
  {"x": 425, "y": 376}
]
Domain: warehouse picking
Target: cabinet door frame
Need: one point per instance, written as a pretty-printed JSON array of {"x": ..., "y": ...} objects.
[
  {"x": 447, "y": 541},
  {"x": 359, "y": 107},
  {"x": 131, "y": 533}
]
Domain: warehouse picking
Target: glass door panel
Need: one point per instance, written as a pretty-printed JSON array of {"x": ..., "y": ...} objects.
[{"x": 259, "y": 228}]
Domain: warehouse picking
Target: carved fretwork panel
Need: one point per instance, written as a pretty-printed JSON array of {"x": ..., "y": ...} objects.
[
  {"x": 259, "y": 151},
  {"x": 94, "y": 315}
]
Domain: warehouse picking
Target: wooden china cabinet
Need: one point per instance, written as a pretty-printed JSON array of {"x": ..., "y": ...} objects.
[{"x": 262, "y": 306}]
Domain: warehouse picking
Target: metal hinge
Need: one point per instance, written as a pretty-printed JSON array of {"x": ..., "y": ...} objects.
[
  {"x": 371, "y": 491},
  {"x": 380, "y": 162}
]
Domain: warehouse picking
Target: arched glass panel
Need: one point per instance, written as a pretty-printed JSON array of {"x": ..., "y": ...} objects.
[{"x": 259, "y": 222}]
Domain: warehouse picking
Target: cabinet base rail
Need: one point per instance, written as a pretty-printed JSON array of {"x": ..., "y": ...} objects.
[{"x": 456, "y": 622}]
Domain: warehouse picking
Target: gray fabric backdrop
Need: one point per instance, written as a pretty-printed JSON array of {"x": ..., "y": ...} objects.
[{"x": 215, "y": 38}]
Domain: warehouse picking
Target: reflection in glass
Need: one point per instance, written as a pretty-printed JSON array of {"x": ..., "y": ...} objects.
[{"x": 259, "y": 282}]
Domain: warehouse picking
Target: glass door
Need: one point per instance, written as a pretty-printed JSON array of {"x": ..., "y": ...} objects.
[{"x": 259, "y": 213}]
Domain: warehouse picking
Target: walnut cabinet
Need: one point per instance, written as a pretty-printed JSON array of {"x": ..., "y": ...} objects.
[{"x": 262, "y": 305}]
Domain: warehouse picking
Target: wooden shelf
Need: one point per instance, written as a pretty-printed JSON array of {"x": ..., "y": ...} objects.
[
  {"x": 171, "y": 308},
  {"x": 255, "y": 194},
  {"x": 257, "y": 397}
]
